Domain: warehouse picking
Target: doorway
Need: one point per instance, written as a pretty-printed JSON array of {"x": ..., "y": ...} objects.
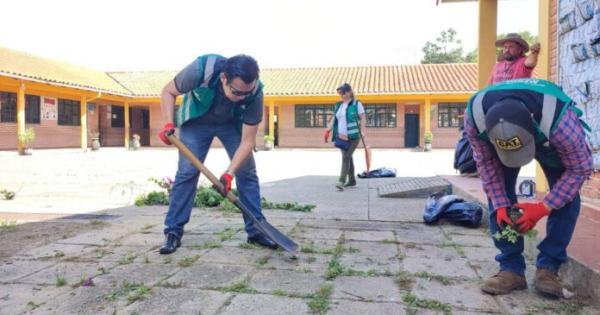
[{"x": 411, "y": 130}]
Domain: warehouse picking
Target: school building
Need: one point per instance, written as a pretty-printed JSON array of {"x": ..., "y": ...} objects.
[{"x": 66, "y": 105}]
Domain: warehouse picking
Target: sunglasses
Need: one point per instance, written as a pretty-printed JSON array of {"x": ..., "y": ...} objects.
[{"x": 237, "y": 92}]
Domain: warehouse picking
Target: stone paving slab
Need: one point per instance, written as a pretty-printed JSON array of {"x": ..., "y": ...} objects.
[
  {"x": 391, "y": 209},
  {"x": 72, "y": 273},
  {"x": 179, "y": 301},
  {"x": 417, "y": 187},
  {"x": 371, "y": 263},
  {"x": 149, "y": 274},
  {"x": 344, "y": 307},
  {"x": 290, "y": 282},
  {"x": 83, "y": 300},
  {"x": 55, "y": 251},
  {"x": 235, "y": 255},
  {"x": 259, "y": 304},
  {"x": 473, "y": 240},
  {"x": 462, "y": 294},
  {"x": 20, "y": 268},
  {"x": 373, "y": 236},
  {"x": 426, "y": 252},
  {"x": 306, "y": 262},
  {"x": 208, "y": 276},
  {"x": 373, "y": 249},
  {"x": 442, "y": 267},
  {"x": 366, "y": 289},
  {"x": 21, "y": 298},
  {"x": 420, "y": 234}
]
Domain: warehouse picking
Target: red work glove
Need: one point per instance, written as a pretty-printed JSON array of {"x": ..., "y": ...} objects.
[
  {"x": 326, "y": 134},
  {"x": 225, "y": 180},
  {"x": 532, "y": 213},
  {"x": 502, "y": 218},
  {"x": 169, "y": 127}
]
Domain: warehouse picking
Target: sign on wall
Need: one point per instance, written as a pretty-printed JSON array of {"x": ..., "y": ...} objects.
[
  {"x": 579, "y": 61},
  {"x": 49, "y": 108}
]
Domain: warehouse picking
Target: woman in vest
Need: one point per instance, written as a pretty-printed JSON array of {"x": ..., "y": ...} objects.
[{"x": 349, "y": 115}]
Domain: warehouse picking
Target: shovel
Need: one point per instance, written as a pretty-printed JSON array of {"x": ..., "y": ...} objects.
[{"x": 261, "y": 224}]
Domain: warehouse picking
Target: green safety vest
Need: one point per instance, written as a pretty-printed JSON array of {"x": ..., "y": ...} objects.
[
  {"x": 352, "y": 120},
  {"x": 554, "y": 106},
  {"x": 198, "y": 101}
]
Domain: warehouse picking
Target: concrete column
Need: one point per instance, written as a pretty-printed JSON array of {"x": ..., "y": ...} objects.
[
  {"x": 543, "y": 71},
  {"x": 272, "y": 119},
  {"x": 488, "y": 15},
  {"x": 126, "y": 125},
  {"x": 20, "y": 114},
  {"x": 83, "y": 115}
]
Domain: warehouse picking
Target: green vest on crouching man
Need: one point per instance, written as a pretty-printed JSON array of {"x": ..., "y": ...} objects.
[{"x": 198, "y": 101}]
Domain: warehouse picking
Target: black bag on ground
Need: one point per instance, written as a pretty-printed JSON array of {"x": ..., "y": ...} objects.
[
  {"x": 453, "y": 209},
  {"x": 380, "y": 172},
  {"x": 463, "y": 155}
]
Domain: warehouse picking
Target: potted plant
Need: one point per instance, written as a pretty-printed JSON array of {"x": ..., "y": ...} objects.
[
  {"x": 95, "y": 136},
  {"x": 428, "y": 138},
  {"x": 269, "y": 142},
  {"x": 135, "y": 142},
  {"x": 26, "y": 139}
]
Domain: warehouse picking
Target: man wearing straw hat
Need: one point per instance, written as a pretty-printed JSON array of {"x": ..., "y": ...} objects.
[{"x": 513, "y": 63}]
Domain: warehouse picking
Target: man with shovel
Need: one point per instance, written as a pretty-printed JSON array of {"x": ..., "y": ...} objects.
[
  {"x": 223, "y": 99},
  {"x": 508, "y": 125}
]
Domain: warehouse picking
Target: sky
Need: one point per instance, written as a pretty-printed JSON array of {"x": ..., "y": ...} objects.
[{"x": 120, "y": 35}]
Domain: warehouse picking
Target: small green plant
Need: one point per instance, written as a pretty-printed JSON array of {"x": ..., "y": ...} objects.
[
  {"x": 209, "y": 244},
  {"x": 319, "y": 302},
  {"x": 26, "y": 138},
  {"x": 269, "y": 138},
  {"x": 289, "y": 206},
  {"x": 428, "y": 137},
  {"x": 7, "y": 225},
  {"x": 508, "y": 233},
  {"x": 207, "y": 197},
  {"x": 226, "y": 234},
  {"x": 309, "y": 248},
  {"x": 389, "y": 241},
  {"x": 228, "y": 206},
  {"x": 165, "y": 183},
  {"x": 168, "y": 260},
  {"x": 239, "y": 287},
  {"x": 187, "y": 261},
  {"x": 97, "y": 223},
  {"x": 413, "y": 302},
  {"x": 137, "y": 293},
  {"x": 262, "y": 260},
  {"x": 279, "y": 292},
  {"x": 7, "y": 195},
  {"x": 132, "y": 290},
  {"x": 404, "y": 280},
  {"x": 334, "y": 268},
  {"x": 247, "y": 246},
  {"x": 311, "y": 259},
  {"x": 127, "y": 259},
  {"x": 442, "y": 279},
  {"x": 31, "y": 305},
  {"x": 60, "y": 280}
]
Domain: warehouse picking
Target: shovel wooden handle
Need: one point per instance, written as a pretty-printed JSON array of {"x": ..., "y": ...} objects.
[{"x": 203, "y": 169}]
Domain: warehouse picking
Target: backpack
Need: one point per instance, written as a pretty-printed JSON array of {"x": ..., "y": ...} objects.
[{"x": 463, "y": 155}]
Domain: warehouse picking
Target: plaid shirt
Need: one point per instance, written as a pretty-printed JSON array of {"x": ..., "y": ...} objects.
[{"x": 569, "y": 141}]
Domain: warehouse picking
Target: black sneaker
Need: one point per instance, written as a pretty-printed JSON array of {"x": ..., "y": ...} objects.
[
  {"x": 172, "y": 242},
  {"x": 350, "y": 184},
  {"x": 262, "y": 241}
]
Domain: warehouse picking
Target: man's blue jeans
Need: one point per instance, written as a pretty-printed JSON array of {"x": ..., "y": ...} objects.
[
  {"x": 559, "y": 229},
  {"x": 198, "y": 137}
]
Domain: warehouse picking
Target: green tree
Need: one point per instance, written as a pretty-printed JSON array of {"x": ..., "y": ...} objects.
[{"x": 445, "y": 49}]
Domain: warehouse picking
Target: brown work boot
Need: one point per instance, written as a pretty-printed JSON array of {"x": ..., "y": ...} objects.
[
  {"x": 547, "y": 282},
  {"x": 504, "y": 282}
]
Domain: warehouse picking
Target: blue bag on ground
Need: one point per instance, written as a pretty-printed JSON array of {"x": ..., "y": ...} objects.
[
  {"x": 380, "y": 172},
  {"x": 453, "y": 209}
]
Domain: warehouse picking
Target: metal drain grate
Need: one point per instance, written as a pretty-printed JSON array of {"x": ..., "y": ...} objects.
[{"x": 415, "y": 187}]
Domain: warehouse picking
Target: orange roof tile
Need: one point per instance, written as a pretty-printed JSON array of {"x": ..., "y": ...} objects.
[{"x": 22, "y": 65}]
